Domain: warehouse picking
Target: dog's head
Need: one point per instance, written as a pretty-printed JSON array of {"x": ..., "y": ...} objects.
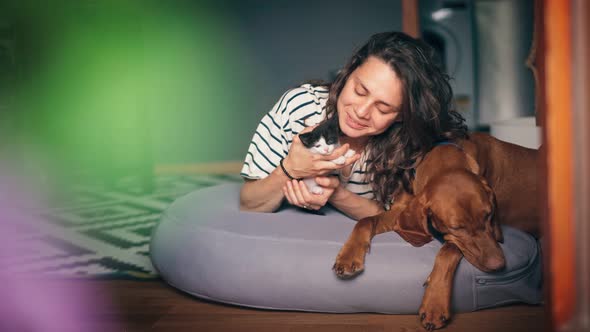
[{"x": 460, "y": 206}]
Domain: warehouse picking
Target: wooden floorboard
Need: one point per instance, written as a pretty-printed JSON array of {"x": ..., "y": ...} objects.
[{"x": 154, "y": 306}]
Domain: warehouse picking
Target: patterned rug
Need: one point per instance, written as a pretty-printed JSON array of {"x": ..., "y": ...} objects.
[{"x": 103, "y": 233}]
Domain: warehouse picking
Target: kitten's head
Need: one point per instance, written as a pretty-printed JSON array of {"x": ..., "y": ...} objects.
[
  {"x": 323, "y": 139},
  {"x": 320, "y": 146}
]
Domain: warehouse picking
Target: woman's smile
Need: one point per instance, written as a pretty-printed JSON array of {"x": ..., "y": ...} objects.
[{"x": 354, "y": 124}]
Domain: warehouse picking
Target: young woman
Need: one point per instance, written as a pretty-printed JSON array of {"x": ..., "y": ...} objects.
[{"x": 392, "y": 102}]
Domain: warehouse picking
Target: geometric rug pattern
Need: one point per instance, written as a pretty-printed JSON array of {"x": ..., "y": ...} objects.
[{"x": 102, "y": 232}]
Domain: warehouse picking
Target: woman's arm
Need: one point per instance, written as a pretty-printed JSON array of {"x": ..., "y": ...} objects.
[
  {"x": 353, "y": 205},
  {"x": 264, "y": 195},
  {"x": 349, "y": 203}
]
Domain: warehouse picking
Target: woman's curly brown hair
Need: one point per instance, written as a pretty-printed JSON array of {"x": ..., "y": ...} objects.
[{"x": 425, "y": 117}]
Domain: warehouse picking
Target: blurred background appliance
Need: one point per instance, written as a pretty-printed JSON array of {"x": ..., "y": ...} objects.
[
  {"x": 448, "y": 27},
  {"x": 484, "y": 46}
]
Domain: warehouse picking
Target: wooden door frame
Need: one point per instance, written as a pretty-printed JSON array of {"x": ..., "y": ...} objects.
[
  {"x": 410, "y": 18},
  {"x": 581, "y": 162},
  {"x": 567, "y": 160}
]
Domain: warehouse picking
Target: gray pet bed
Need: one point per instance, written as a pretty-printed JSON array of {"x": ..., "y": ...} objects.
[{"x": 205, "y": 246}]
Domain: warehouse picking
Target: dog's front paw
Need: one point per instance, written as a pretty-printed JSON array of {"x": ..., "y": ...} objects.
[
  {"x": 350, "y": 261},
  {"x": 434, "y": 312}
]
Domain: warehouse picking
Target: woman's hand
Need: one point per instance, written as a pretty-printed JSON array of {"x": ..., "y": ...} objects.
[
  {"x": 301, "y": 163},
  {"x": 297, "y": 193}
]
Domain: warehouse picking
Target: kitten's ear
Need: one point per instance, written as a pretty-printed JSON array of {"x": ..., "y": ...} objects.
[
  {"x": 306, "y": 139},
  {"x": 333, "y": 124}
]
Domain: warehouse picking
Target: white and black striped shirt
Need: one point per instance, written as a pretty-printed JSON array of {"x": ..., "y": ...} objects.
[{"x": 277, "y": 128}]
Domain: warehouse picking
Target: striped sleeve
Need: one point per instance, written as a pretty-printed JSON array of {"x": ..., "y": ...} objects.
[
  {"x": 275, "y": 132},
  {"x": 359, "y": 182}
]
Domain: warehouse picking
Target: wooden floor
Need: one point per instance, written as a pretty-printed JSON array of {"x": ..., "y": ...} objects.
[{"x": 154, "y": 306}]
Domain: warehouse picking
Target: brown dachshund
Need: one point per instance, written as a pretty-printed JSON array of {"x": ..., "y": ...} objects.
[{"x": 453, "y": 196}]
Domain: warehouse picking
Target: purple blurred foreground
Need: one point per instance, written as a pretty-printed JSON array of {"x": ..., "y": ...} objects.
[{"x": 30, "y": 302}]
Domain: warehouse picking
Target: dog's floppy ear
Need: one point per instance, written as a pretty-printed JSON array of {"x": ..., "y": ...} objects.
[
  {"x": 493, "y": 218},
  {"x": 412, "y": 224}
]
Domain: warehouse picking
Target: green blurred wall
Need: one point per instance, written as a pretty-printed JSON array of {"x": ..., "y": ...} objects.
[{"x": 124, "y": 85}]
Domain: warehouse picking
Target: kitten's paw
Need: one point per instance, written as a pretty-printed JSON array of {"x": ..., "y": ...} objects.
[
  {"x": 317, "y": 190},
  {"x": 339, "y": 161},
  {"x": 349, "y": 153}
]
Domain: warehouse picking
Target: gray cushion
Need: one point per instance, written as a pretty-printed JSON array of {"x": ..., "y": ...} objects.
[{"x": 205, "y": 246}]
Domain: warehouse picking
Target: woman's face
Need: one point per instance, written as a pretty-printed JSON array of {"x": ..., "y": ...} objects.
[{"x": 370, "y": 100}]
